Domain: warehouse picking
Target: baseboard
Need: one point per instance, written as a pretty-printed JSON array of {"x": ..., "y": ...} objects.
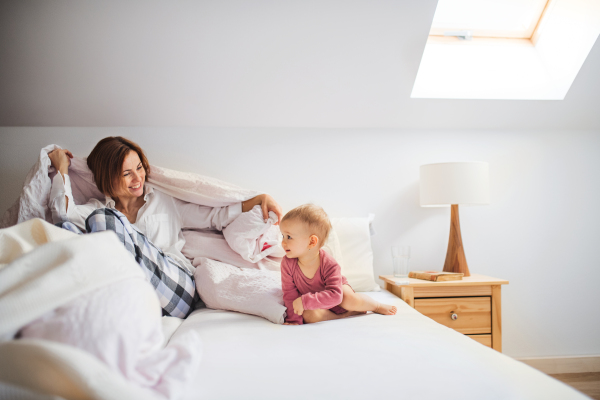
[{"x": 563, "y": 365}]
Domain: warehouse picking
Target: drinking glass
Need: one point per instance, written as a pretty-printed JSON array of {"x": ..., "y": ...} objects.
[{"x": 400, "y": 257}]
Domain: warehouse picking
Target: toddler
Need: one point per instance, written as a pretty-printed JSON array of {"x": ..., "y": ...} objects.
[{"x": 313, "y": 286}]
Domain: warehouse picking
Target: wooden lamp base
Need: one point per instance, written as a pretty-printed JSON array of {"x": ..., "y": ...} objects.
[{"x": 455, "y": 256}]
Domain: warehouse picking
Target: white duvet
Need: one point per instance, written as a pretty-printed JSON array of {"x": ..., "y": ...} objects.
[{"x": 83, "y": 309}]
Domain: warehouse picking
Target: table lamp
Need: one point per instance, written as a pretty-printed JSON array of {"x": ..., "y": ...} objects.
[{"x": 451, "y": 184}]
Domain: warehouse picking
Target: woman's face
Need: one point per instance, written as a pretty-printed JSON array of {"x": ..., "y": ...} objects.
[{"x": 133, "y": 175}]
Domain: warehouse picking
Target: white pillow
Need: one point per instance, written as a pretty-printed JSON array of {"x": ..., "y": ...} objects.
[
  {"x": 250, "y": 291},
  {"x": 333, "y": 247},
  {"x": 356, "y": 260}
]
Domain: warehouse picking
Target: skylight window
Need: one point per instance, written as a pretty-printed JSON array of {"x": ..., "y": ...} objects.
[
  {"x": 517, "y": 49},
  {"x": 488, "y": 18}
]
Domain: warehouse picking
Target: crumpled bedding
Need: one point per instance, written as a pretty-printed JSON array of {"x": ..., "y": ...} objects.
[
  {"x": 70, "y": 306},
  {"x": 212, "y": 245},
  {"x": 257, "y": 243},
  {"x": 35, "y": 195},
  {"x": 252, "y": 238},
  {"x": 85, "y": 292},
  {"x": 245, "y": 290}
]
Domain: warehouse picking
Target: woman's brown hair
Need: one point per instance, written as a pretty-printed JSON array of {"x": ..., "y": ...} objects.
[{"x": 106, "y": 162}]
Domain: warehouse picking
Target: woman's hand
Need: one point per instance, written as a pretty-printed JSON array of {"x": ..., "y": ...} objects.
[
  {"x": 267, "y": 204},
  {"x": 298, "y": 306},
  {"x": 61, "y": 159}
]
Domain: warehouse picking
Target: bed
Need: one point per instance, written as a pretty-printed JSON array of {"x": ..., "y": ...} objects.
[
  {"x": 231, "y": 355},
  {"x": 372, "y": 356},
  {"x": 368, "y": 356},
  {"x": 116, "y": 345}
]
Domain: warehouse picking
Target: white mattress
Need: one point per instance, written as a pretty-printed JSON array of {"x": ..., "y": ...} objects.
[{"x": 406, "y": 356}]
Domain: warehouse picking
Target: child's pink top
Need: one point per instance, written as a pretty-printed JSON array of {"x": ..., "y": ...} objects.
[{"x": 323, "y": 291}]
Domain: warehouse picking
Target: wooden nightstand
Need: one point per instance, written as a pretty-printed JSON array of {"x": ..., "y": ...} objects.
[{"x": 471, "y": 306}]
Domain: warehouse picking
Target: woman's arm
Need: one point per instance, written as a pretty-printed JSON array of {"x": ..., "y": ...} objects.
[
  {"x": 267, "y": 204},
  {"x": 195, "y": 216},
  {"x": 63, "y": 209},
  {"x": 61, "y": 159}
]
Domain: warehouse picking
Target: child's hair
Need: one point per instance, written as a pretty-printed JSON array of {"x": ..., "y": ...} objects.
[{"x": 315, "y": 217}]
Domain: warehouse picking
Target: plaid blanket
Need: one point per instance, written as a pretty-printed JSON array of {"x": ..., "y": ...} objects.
[{"x": 176, "y": 289}]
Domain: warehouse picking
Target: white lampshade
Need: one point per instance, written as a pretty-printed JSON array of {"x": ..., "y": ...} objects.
[{"x": 465, "y": 183}]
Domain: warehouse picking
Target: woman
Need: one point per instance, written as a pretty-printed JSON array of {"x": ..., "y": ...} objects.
[{"x": 148, "y": 221}]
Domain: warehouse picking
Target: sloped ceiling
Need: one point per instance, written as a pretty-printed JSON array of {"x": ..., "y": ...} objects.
[{"x": 323, "y": 63}]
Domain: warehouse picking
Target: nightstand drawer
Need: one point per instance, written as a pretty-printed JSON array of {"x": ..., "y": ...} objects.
[
  {"x": 472, "y": 314},
  {"x": 485, "y": 340}
]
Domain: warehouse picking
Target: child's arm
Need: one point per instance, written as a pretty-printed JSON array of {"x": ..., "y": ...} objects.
[
  {"x": 332, "y": 295},
  {"x": 290, "y": 292}
]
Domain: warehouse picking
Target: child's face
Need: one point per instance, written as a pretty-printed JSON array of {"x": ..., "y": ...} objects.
[{"x": 296, "y": 238}]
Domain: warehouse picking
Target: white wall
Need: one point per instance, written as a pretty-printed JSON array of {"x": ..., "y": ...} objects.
[
  {"x": 240, "y": 63},
  {"x": 541, "y": 231},
  {"x": 306, "y": 70}
]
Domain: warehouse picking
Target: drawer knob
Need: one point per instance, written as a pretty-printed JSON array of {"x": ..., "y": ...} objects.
[{"x": 453, "y": 315}]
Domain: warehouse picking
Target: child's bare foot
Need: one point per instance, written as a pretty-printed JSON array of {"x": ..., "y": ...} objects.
[
  {"x": 385, "y": 309},
  {"x": 351, "y": 313}
]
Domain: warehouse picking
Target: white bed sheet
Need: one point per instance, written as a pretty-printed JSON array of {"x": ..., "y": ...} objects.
[{"x": 406, "y": 356}]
